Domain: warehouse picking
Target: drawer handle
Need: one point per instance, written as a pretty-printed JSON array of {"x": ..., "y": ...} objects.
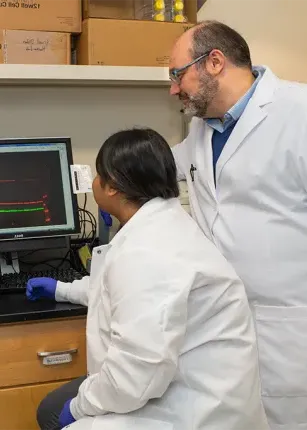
[{"x": 50, "y": 354}]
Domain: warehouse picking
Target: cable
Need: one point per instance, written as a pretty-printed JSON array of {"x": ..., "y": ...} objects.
[
  {"x": 71, "y": 256},
  {"x": 83, "y": 210},
  {"x": 86, "y": 217},
  {"x": 44, "y": 262}
]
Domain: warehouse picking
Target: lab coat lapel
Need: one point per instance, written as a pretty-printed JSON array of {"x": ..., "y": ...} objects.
[
  {"x": 249, "y": 120},
  {"x": 98, "y": 259},
  {"x": 251, "y": 117},
  {"x": 203, "y": 157}
]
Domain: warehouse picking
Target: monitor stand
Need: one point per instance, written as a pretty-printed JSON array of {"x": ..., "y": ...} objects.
[{"x": 9, "y": 262}]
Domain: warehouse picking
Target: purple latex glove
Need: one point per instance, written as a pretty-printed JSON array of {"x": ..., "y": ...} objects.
[
  {"x": 66, "y": 417},
  {"x": 41, "y": 287},
  {"x": 106, "y": 217}
]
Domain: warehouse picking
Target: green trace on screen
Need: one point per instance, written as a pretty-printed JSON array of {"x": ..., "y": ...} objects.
[{"x": 21, "y": 210}]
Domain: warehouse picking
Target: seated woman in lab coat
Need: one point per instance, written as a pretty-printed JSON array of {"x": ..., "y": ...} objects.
[{"x": 170, "y": 338}]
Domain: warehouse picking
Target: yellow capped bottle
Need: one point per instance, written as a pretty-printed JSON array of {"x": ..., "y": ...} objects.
[
  {"x": 158, "y": 10},
  {"x": 178, "y": 14}
]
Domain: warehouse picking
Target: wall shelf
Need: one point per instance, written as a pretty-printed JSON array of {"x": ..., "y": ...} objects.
[{"x": 25, "y": 75}]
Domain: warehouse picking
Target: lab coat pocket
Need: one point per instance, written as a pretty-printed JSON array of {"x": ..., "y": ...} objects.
[{"x": 282, "y": 345}]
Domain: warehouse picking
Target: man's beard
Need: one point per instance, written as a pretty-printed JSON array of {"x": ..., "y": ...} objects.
[{"x": 197, "y": 105}]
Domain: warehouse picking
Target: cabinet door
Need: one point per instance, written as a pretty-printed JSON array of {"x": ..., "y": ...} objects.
[{"x": 18, "y": 405}]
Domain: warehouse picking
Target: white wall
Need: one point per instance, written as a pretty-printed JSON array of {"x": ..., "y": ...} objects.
[
  {"x": 86, "y": 114},
  {"x": 276, "y": 31}
]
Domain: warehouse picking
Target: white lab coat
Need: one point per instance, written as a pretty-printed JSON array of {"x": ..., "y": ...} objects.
[
  {"x": 171, "y": 343},
  {"x": 257, "y": 216}
]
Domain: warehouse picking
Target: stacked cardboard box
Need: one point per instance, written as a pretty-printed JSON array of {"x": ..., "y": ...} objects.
[
  {"x": 38, "y": 31},
  {"x": 110, "y": 36},
  {"x": 127, "y": 43},
  {"x": 112, "y": 9},
  {"x": 34, "y": 47},
  {"x": 132, "y": 9}
]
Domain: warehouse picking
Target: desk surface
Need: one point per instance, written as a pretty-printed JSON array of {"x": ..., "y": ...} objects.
[{"x": 16, "y": 308}]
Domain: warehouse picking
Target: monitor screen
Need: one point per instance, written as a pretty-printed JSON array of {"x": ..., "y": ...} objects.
[{"x": 36, "y": 198}]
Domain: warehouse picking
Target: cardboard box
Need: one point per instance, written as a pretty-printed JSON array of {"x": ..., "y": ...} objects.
[
  {"x": 146, "y": 43},
  {"x": 34, "y": 47},
  {"x": 112, "y": 9},
  {"x": 44, "y": 15},
  {"x": 129, "y": 9}
]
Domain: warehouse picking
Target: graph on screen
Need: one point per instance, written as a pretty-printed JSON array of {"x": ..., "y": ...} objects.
[{"x": 31, "y": 190}]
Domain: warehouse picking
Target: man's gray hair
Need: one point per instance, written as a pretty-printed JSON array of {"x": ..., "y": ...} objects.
[{"x": 209, "y": 35}]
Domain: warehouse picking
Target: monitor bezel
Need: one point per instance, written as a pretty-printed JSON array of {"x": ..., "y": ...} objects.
[{"x": 53, "y": 233}]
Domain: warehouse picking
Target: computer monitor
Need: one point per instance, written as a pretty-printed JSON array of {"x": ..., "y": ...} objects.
[{"x": 36, "y": 198}]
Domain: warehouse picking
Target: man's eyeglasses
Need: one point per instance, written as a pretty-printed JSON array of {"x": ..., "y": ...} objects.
[{"x": 175, "y": 75}]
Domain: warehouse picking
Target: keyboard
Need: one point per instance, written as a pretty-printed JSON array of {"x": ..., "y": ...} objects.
[{"x": 17, "y": 282}]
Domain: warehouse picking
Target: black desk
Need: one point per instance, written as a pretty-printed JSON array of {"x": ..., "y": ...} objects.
[{"x": 17, "y": 308}]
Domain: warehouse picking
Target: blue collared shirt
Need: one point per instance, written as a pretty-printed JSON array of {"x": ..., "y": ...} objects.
[{"x": 236, "y": 111}]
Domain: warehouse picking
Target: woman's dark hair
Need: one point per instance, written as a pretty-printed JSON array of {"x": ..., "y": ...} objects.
[{"x": 139, "y": 164}]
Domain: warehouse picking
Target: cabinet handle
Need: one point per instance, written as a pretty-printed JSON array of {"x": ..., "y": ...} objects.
[{"x": 50, "y": 354}]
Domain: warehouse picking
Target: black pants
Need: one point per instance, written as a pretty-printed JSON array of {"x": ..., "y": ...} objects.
[{"x": 51, "y": 406}]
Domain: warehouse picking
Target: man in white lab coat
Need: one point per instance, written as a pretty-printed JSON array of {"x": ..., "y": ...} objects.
[
  {"x": 170, "y": 337},
  {"x": 245, "y": 163}
]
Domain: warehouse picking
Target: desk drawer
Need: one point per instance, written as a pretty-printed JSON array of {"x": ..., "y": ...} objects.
[{"x": 21, "y": 343}]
